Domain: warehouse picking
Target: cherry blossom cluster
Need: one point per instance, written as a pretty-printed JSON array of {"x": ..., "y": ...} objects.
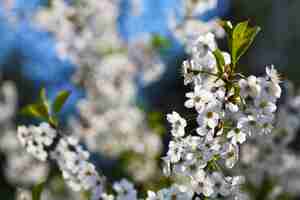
[
  {"x": 110, "y": 122},
  {"x": 86, "y": 31},
  {"x": 124, "y": 190},
  {"x": 18, "y": 166},
  {"x": 190, "y": 27},
  {"x": 43, "y": 142},
  {"x": 271, "y": 157},
  {"x": 229, "y": 109},
  {"x": 108, "y": 67},
  {"x": 49, "y": 193},
  {"x": 37, "y": 139}
]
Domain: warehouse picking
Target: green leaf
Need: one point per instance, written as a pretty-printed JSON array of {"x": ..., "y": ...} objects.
[
  {"x": 160, "y": 42},
  {"x": 242, "y": 38},
  {"x": 220, "y": 60},
  {"x": 35, "y": 110},
  {"x": 37, "y": 191},
  {"x": 53, "y": 121},
  {"x": 60, "y": 100},
  {"x": 40, "y": 109},
  {"x": 44, "y": 100},
  {"x": 228, "y": 28},
  {"x": 43, "y": 95}
]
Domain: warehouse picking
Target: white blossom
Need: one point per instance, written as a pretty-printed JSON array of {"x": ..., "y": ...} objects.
[{"x": 178, "y": 124}]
